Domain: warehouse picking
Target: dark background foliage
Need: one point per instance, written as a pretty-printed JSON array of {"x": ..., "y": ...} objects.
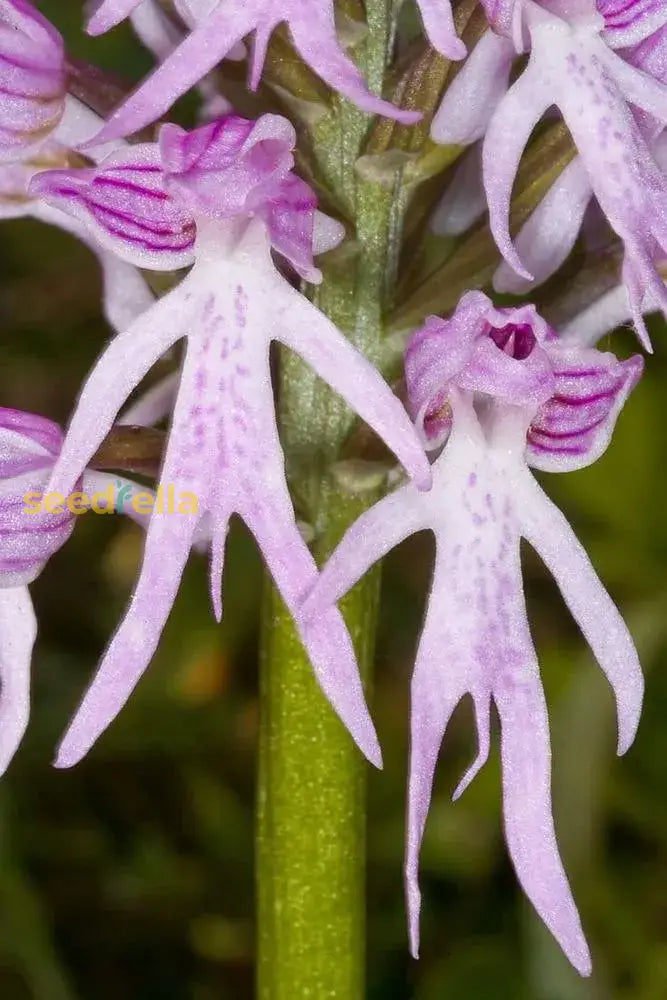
[{"x": 132, "y": 874}]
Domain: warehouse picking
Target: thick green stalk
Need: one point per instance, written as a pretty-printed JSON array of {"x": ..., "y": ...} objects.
[{"x": 311, "y": 794}]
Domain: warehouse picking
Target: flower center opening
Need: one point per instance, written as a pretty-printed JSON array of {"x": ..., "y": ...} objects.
[{"x": 516, "y": 340}]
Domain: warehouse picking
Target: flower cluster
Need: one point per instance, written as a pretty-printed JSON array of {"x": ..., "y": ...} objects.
[{"x": 492, "y": 392}]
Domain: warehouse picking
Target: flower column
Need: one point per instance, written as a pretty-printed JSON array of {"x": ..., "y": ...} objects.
[{"x": 311, "y": 789}]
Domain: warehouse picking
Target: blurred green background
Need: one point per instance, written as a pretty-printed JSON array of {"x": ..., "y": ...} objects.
[{"x": 132, "y": 874}]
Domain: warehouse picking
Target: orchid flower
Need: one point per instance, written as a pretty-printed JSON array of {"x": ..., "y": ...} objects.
[
  {"x": 35, "y": 107},
  {"x": 39, "y": 123},
  {"x": 223, "y": 196},
  {"x": 30, "y": 533},
  {"x": 504, "y": 393},
  {"x": 573, "y": 64},
  {"x": 218, "y": 27},
  {"x": 550, "y": 233}
]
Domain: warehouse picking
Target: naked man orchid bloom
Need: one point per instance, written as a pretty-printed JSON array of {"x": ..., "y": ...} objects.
[
  {"x": 220, "y": 26},
  {"x": 223, "y": 196},
  {"x": 549, "y": 235},
  {"x": 502, "y": 393},
  {"x": 29, "y": 535},
  {"x": 573, "y": 65}
]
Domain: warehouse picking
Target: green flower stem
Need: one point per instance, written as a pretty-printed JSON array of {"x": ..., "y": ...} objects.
[{"x": 311, "y": 786}]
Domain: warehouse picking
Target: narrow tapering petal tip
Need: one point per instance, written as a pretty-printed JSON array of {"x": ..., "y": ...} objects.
[
  {"x": 457, "y": 50},
  {"x": 421, "y": 473},
  {"x": 628, "y": 729},
  {"x": 414, "y": 900},
  {"x": 405, "y": 117},
  {"x": 67, "y": 756},
  {"x": 581, "y": 960},
  {"x": 374, "y": 754}
]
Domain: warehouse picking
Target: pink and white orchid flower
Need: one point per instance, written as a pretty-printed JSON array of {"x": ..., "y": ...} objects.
[
  {"x": 573, "y": 64},
  {"x": 222, "y": 196},
  {"x": 504, "y": 394}
]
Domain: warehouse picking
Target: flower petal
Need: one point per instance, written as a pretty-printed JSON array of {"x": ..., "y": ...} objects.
[
  {"x": 474, "y": 93},
  {"x": 168, "y": 543},
  {"x": 32, "y": 79},
  {"x": 547, "y": 238},
  {"x": 108, "y": 13},
  {"x": 628, "y": 22},
  {"x": 464, "y": 201},
  {"x": 153, "y": 405},
  {"x": 439, "y": 682},
  {"x": 529, "y": 827},
  {"x": 124, "y": 204},
  {"x": 574, "y": 427},
  {"x": 19, "y": 630},
  {"x": 547, "y": 530},
  {"x": 607, "y": 313},
  {"x": 439, "y": 28},
  {"x": 313, "y": 32},
  {"x": 373, "y": 534},
  {"x": 119, "y": 370},
  {"x": 506, "y": 138}
]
